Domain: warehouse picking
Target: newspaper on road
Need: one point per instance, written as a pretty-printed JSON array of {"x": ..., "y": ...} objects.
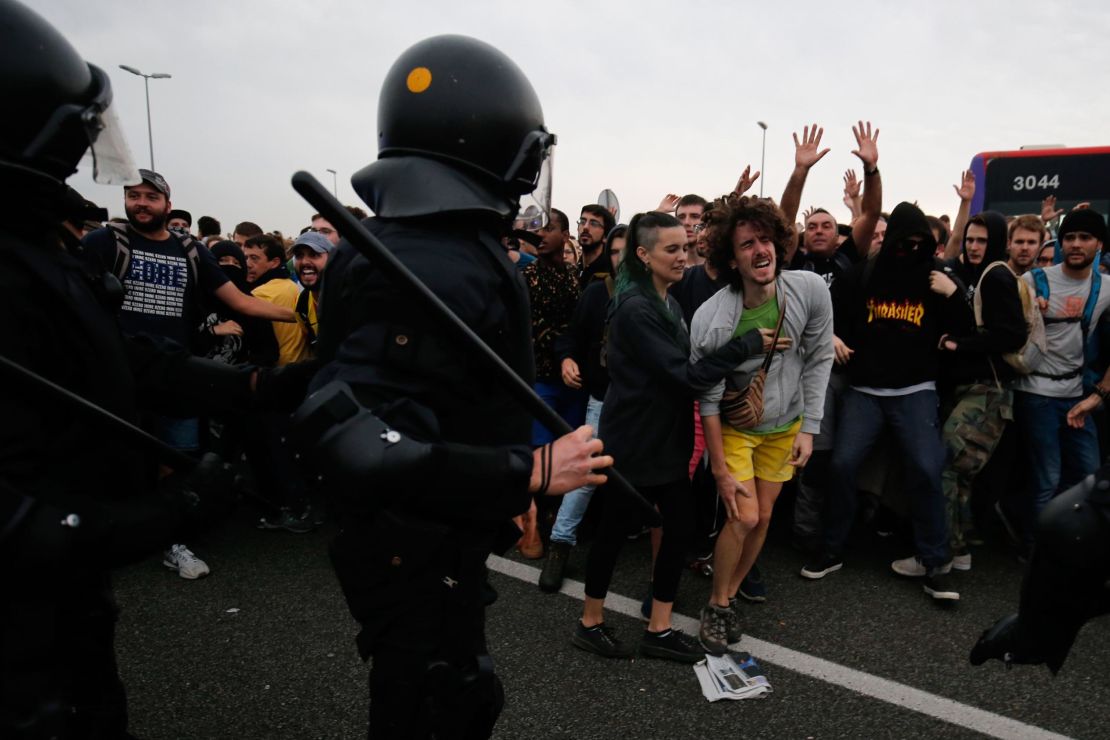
[{"x": 731, "y": 676}]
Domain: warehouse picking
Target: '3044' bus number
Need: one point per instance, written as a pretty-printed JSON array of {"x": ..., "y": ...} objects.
[{"x": 1030, "y": 182}]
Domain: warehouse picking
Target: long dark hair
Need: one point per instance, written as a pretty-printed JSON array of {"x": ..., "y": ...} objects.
[{"x": 643, "y": 231}]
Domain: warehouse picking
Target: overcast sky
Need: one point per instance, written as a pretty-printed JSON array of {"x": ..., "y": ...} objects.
[{"x": 646, "y": 97}]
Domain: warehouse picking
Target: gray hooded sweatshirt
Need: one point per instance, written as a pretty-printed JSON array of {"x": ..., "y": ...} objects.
[{"x": 798, "y": 377}]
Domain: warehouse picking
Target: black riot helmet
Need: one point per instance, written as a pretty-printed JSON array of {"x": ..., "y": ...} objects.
[
  {"x": 459, "y": 129},
  {"x": 57, "y": 105}
]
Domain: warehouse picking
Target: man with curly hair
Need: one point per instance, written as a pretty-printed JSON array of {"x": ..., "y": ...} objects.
[{"x": 748, "y": 239}]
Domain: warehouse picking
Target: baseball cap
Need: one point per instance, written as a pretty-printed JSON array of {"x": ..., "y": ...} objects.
[
  {"x": 154, "y": 180},
  {"x": 317, "y": 241}
]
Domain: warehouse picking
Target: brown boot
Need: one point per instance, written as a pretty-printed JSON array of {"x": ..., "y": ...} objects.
[{"x": 530, "y": 545}]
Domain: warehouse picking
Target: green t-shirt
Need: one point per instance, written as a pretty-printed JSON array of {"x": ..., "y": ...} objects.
[{"x": 762, "y": 317}]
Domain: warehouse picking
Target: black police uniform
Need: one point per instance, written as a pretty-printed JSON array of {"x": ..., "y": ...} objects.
[
  {"x": 1066, "y": 584},
  {"x": 411, "y": 552},
  {"x": 76, "y": 498}
]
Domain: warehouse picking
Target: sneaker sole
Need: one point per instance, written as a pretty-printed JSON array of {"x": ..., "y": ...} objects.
[
  {"x": 964, "y": 567},
  {"x": 944, "y": 570},
  {"x": 813, "y": 575},
  {"x": 942, "y": 595},
  {"x": 187, "y": 577},
  {"x": 756, "y": 599},
  {"x": 588, "y": 646},
  {"x": 663, "y": 654}
]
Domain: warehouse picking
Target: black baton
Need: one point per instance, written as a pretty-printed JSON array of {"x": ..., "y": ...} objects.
[{"x": 370, "y": 247}]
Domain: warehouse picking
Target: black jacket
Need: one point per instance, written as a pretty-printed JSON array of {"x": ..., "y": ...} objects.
[
  {"x": 584, "y": 340},
  {"x": 1003, "y": 327},
  {"x": 404, "y": 367},
  {"x": 886, "y": 312},
  {"x": 647, "y": 422}
]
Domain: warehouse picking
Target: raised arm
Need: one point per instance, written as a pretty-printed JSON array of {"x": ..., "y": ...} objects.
[
  {"x": 852, "y": 198},
  {"x": 807, "y": 152},
  {"x": 966, "y": 191},
  {"x": 249, "y": 305},
  {"x": 867, "y": 150}
]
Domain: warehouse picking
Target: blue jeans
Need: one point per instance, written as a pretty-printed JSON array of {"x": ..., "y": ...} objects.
[
  {"x": 1060, "y": 456},
  {"x": 567, "y": 402},
  {"x": 573, "y": 506},
  {"x": 916, "y": 426}
]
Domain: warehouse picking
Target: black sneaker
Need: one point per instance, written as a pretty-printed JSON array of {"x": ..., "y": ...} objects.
[
  {"x": 713, "y": 632},
  {"x": 671, "y": 644},
  {"x": 752, "y": 587},
  {"x": 600, "y": 640},
  {"x": 551, "y": 577},
  {"x": 822, "y": 566},
  {"x": 936, "y": 585}
]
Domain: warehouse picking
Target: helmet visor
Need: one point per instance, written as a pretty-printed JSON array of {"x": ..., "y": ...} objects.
[
  {"x": 535, "y": 207},
  {"x": 111, "y": 158}
]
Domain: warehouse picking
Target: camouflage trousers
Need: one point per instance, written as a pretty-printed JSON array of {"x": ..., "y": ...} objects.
[{"x": 971, "y": 434}]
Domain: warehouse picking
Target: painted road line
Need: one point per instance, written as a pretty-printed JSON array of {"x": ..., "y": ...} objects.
[{"x": 876, "y": 687}]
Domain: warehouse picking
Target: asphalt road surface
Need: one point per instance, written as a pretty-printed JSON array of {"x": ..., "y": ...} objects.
[{"x": 263, "y": 648}]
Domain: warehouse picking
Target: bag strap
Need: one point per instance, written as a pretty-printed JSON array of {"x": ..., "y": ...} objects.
[{"x": 781, "y": 295}]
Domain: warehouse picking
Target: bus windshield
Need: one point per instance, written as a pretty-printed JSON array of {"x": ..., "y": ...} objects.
[{"x": 1016, "y": 182}]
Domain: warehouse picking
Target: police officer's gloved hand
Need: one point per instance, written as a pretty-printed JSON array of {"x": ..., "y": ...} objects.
[{"x": 284, "y": 388}]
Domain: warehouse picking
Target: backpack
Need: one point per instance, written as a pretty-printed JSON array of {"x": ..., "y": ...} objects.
[
  {"x": 1090, "y": 342},
  {"x": 122, "y": 233},
  {"x": 1023, "y": 359}
]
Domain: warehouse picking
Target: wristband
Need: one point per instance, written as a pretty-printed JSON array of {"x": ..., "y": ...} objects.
[{"x": 872, "y": 172}]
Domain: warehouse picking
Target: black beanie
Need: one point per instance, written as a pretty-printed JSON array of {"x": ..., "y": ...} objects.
[
  {"x": 1085, "y": 219},
  {"x": 228, "y": 248}
]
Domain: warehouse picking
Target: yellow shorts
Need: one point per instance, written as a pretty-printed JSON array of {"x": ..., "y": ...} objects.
[{"x": 760, "y": 456}]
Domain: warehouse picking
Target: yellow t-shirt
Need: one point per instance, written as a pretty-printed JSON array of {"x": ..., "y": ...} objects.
[{"x": 283, "y": 292}]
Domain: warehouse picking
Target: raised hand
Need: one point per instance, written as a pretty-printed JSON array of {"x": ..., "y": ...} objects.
[
  {"x": 668, "y": 204},
  {"x": 807, "y": 152},
  {"x": 807, "y": 213},
  {"x": 744, "y": 184},
  {"x": 966, "y": 188},
  {"x": 867, "y": 148},
  {"x": 1049, "y": 211},
  {"x": 851, "y": 186}
]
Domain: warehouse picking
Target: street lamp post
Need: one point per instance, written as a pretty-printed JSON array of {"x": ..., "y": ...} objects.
[
  {"x": 146, "y": 84},
  {"x": 334, "y": 183},
  {"x": 762, "y": 157}
]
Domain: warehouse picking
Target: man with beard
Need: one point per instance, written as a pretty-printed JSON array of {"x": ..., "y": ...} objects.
[
  {"x": 1026, "y": 235},
  {"x": 887, "y": 312},
  {"x": 593, "y": 224},
  {"x": 166, "y": 278},
  {"x": 977, "y": 374},
  {"x": 1061, "y": 442},
  {"x": 310, "y": 257}
]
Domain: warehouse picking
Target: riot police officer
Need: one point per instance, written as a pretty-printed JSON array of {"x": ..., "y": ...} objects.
[
  {"x": 430, "y": 451},
  {"x": 1067, "y": 582},
  {"x": 77, "y": 497}
]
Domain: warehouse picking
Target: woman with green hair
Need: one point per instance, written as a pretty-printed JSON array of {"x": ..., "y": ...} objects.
[{"x": 648, "y": 428}]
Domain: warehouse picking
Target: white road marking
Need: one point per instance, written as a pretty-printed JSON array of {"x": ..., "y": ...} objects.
[{"x": 892, "y": 692}]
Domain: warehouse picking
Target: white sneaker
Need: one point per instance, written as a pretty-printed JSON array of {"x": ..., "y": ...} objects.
[
  {"x": 962, "y": 562},
  {"x": 912, "y": 567},
  {"x": 182, "y": 559}
]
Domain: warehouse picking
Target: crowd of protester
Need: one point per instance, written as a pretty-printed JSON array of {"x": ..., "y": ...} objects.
[{"x": 724, "y": 350}]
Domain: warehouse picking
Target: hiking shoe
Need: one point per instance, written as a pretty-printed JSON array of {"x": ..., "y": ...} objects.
[
  {"x": 962, "y": 561},
  {"x": 912, "y": 567},
  {"x": 288, "y": 521},
  {"x": 734, "y": 633},
  {"x": 822, "y": 566},
  {"x": 713, "y": 632},
  {"x": 671, "y": 644},
  {"x": 551, "y": 577},
  {"x": 752, "y": 587},
  {"x": 936, "y": 585},
  {"x": 600, "y": 640},
  {"x": 182, "y": 559}
]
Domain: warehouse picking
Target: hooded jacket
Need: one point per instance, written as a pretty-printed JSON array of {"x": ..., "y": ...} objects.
[
  {"x": 885, "y": 311},
  {"x": 1003, "y": 330}
]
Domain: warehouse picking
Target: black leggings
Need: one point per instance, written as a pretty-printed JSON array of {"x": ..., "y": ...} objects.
[{"x": 620, "y": 516}]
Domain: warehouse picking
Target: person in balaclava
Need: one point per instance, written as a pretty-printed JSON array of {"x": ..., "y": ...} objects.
[
  {"x": 223, "y": 326},
  {"x": 973, "y": 371},
  {"x": 886, "y": 310}
]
